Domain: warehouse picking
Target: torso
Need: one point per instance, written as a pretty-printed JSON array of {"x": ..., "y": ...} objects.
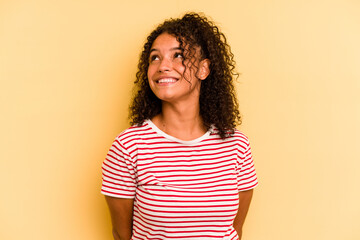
[{"x": 185, "y": 189}]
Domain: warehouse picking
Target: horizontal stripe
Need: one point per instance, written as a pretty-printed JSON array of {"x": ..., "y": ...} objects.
[{"x": 181, "y": 189}]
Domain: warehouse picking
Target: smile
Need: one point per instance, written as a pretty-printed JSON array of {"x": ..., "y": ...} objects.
[{"x": 167, "y": 80}]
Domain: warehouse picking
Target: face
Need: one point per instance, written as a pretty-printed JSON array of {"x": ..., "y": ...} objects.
[{"x": 171, "y": 77}]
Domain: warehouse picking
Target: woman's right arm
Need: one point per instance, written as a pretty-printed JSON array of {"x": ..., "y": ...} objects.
[{"x": 121, "y": 211}]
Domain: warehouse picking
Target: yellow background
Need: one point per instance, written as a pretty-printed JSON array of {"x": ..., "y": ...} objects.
[{"x": 66, "y": 76}]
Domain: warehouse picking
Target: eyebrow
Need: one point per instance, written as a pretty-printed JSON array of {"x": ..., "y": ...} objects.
[{"x": 171, "y": 49}]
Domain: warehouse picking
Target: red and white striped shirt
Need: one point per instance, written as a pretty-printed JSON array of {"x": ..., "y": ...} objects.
[{"x": 182, "y": 189}]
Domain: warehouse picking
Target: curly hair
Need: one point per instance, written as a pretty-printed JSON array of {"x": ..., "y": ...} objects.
[{"x": 218, "y": 103}]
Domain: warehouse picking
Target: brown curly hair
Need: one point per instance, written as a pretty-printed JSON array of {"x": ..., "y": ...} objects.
[{"x": 218, "y": 103}]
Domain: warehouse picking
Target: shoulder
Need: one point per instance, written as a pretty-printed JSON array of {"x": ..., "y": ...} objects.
[
  {"x": 241, "y": 137},
  {"x": 128, "y": 140},
  {"x": 237, "y": 139},
  {"x": 233, "y": 136},
  {"x": 133, "y": 133}
]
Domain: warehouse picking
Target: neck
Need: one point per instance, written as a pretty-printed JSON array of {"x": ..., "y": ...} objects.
[{"x": 183, "y": 122}]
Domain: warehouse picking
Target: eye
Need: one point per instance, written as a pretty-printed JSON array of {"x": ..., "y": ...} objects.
[
  {"x": 154, "y": 58},
  {"x": 178, "y": 55}
]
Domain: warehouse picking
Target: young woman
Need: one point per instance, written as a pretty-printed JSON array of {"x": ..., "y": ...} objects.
[{"x": 182, "y": 171}]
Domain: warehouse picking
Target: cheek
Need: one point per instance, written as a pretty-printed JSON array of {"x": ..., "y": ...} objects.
[
  {"x": 180, "y": 68},
  {"x": 189, "y": 72},
  {"x": 150, "y": 72}
]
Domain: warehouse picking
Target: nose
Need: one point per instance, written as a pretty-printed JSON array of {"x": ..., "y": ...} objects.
[{"x": 165, "y": 65}]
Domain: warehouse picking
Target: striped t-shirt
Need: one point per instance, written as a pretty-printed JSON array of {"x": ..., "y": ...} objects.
[{"x": 181, "y": 189}]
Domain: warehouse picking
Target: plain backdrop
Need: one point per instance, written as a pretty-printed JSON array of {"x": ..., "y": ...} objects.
[{"x": 66, "y": 72}]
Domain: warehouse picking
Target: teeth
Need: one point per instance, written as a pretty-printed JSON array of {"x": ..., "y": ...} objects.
[{"x": 167, "y": 80}]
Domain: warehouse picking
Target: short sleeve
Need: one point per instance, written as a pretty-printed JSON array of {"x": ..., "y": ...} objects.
[
  {"x": 246, "y": 175},
  {"x": 118, "y": 173}
]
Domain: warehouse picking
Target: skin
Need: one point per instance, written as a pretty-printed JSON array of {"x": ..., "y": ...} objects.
[
  {"x": 179, "y": 89},
  {"x": 180, "y": 116},
  {"x": 244, "y": 204},
  {"x": 121, "y": 211}
]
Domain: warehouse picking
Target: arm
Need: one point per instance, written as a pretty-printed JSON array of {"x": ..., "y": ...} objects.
[
  {"x": 244, "y": 203},
  {"x": 121, "y": 211}
]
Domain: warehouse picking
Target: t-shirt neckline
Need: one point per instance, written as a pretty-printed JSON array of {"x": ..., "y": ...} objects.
[{"x": 169, "y": 137}]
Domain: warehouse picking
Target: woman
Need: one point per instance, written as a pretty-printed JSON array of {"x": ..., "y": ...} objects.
[{"x": 182, "y": 171}]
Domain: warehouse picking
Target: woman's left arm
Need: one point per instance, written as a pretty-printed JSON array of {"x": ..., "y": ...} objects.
[{"x": 244, "y": 204}]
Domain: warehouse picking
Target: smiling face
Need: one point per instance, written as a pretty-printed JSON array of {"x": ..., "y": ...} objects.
[{"x": 172, "y": 77}]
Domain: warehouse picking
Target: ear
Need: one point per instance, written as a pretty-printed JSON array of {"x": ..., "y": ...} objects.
[{"x": 204, "y": 69}]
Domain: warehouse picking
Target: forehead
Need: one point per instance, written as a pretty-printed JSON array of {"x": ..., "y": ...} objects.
[{"x": 165, "y": 40}]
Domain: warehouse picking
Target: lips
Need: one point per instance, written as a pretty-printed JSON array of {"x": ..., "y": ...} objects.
[{"x": 166, "y": 80}]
